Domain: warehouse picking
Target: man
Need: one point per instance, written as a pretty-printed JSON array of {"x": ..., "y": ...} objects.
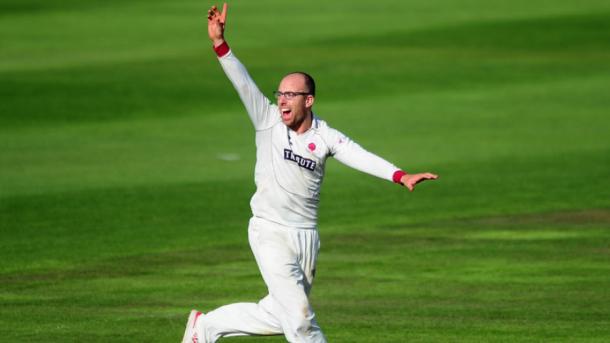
[{"x": 292, "y": 145}]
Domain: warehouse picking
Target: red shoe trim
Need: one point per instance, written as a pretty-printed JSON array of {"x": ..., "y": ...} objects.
[{"x": 196, "y": 317}]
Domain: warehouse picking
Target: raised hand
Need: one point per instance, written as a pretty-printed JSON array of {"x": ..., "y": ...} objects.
[{"x": 216, "y": 24}]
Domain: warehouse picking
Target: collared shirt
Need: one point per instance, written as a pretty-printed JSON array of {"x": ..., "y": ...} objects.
[{"x": 289, "y": 166}]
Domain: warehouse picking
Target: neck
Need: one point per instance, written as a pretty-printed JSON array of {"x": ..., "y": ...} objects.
[{"x": 305, "y": 125}]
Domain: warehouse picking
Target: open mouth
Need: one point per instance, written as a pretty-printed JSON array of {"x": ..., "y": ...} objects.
[{"x": 286, "y": 113}]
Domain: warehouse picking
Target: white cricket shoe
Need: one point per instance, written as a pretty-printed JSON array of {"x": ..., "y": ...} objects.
[{"x": 190, "y": 336}]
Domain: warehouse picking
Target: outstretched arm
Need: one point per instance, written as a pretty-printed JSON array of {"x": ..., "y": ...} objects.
[
  {"x": 353, "y": 155},
  {"x": 262, "y": 113}
]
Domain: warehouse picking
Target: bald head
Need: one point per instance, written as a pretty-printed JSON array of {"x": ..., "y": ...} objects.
[{"x": 302, "y": 79}]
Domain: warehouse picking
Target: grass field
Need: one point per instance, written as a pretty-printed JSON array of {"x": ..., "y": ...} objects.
[{"x": 126, "y": 167}]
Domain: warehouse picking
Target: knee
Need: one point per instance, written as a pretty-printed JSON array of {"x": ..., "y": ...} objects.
[
  {"x": 303, "y": 330},
  {"x": 307, "y": 331},
  {"x": 302, "y": 325}
]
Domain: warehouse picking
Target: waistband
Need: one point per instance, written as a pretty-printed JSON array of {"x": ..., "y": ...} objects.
[{"x": 281, "y": 225}]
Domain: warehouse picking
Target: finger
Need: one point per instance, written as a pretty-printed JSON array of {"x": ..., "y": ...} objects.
[
  {"x": 214, "y": 17},
  {"x": 425, "y": 177},
  {"x": 223, "y": 15}
]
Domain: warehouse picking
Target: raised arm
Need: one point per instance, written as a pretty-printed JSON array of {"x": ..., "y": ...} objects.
[{"x": 261, "y": 111}]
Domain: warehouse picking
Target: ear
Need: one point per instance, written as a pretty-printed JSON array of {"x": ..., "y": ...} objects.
[{"x": 309, "y": 101}]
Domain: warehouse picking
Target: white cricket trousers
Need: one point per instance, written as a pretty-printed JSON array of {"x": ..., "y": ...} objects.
[{"x": 286, "y": 258}]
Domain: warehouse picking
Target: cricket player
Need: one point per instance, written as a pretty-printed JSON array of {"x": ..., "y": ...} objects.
[{"x": 292, "y": 145}]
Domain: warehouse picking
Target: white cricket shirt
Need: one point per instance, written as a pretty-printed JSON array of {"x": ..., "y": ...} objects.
[{"x": 289, "y": 166}]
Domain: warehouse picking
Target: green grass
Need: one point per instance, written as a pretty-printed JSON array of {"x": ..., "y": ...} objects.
[{"x": 120, "y": 211}]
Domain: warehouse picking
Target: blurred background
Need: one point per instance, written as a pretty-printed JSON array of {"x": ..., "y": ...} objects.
[{"x": 126, "y": 166}]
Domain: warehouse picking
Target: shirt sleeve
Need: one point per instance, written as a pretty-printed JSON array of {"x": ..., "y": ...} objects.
[
  {"x": 260, "y": 110},
  {"x": 353, "y": 155}
]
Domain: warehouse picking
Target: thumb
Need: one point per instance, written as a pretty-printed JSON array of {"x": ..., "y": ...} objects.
[{"x": 223, "y": 15}]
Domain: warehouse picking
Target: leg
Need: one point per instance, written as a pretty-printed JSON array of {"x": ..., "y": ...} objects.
[
  {"x": 286, "y": 258},
  {"x": 240, "y": 319}
]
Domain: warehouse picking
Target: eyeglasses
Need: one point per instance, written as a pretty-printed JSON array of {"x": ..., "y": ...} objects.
[{"x": 288, "y": 95}]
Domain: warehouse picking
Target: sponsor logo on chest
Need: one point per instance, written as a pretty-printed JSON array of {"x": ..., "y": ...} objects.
[{"x": 299, "y": 160}]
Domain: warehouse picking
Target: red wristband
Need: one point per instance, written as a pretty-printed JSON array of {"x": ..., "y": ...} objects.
[
  {"x": 397, "y": 176},
  {"x": 222, "y": 49}
]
